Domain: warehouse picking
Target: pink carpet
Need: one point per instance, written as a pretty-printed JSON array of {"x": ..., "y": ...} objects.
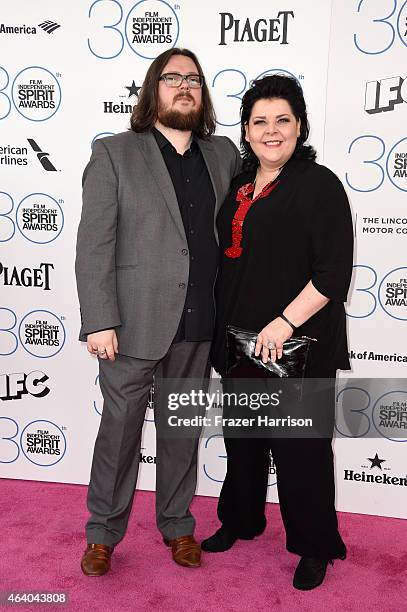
[{"x": 42, "y": 542}]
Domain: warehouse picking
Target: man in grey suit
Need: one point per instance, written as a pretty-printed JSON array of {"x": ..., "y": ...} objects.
[{"x": 146, "y": 265}]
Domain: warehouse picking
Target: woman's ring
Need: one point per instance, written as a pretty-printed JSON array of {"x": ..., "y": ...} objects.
[
  {"x": 271, "y": 346},
  {"x": 101, "y": 352}
]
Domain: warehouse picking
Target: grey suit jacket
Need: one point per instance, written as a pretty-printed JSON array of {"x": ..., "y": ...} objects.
[{"x": 132, "y": 253}]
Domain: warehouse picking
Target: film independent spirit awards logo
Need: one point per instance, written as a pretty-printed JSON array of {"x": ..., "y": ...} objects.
[
  {"x": 40, "y": 218},
  {"x": 393, "y": 293},
  {"x": 36, "y": 93},
  {"x": 43, "y": 443},
  {"x": 397, "y": 164},
  {"x": 42, "y": 333},
  {"x": 390, "y": 416},
  {"x": 151, "y": 27}
]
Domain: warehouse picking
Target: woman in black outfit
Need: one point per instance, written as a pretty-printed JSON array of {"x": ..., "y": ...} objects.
[{"x": 286, "y": 239}]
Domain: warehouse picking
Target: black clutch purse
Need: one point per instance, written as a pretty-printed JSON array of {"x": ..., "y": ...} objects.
[{"x": 242, "y": 362}]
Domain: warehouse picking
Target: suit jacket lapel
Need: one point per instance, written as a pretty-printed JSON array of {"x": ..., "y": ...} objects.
[
  {"x": 155, "y": 163},
  {"x": 212, "y": 163}
]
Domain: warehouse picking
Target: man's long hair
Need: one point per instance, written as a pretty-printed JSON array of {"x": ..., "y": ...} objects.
[{"x": 145, "y": 112}]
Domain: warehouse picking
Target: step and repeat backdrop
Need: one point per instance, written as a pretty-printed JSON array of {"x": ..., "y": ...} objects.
[{"x": 70, "y": 72}]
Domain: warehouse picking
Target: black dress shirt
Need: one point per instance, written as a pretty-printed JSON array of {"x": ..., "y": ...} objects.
[{"x": 196, "y": 200}]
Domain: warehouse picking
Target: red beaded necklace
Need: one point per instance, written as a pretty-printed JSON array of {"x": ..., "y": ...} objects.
[{"x": 245, "y": 202}]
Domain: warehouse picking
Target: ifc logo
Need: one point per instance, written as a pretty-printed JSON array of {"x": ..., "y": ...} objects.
[{"x": 151, "y": 27}]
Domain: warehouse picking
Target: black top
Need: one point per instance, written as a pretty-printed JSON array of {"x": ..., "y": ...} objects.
[
  {"x": 301, "y": 231},
  {"x": 196, "y": 200}
]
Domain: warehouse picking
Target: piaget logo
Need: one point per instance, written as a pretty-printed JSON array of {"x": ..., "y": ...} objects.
[
  {"x": 238, "y": 29},
  {"x": 26, "y": 277}
]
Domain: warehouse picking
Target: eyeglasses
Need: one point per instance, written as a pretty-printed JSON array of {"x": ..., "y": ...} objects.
[{"x": 174, "y": 79}]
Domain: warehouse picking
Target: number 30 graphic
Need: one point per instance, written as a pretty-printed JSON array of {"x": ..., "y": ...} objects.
[{"x": 382, "y": 21}]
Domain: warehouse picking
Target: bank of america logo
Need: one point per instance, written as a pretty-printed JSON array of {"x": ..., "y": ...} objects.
[
  {"x": 42, "y": 156},
  {"x": 49, "y": 26}
]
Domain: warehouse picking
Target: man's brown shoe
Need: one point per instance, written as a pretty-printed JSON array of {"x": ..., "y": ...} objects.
[
  {"x": 185, "y": 551},
  {"x": 96, "y": 560}
]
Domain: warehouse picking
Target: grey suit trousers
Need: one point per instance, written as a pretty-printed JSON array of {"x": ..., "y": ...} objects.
[{"x": 125, "y": 385}]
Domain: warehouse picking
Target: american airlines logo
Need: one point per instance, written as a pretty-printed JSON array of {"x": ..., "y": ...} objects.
[
  {"x": 49, "y": 26},
  {"x": 42, "y": 156}
]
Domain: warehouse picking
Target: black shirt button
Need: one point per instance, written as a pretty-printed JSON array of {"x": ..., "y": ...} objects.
[
  {"x": 191, "y": 284},
  {"x": 191, "y": 205},
  {"x": 184, "y": 251},
  {"x": 181, "y": 285},
  {"x": 191, "y": 231},
  {"x": 190, "y": 310},
  {"x": 187, "y": 180}
]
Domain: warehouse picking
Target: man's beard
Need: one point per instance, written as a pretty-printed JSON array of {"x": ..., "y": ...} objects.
[{"x": 185, "y": 122}]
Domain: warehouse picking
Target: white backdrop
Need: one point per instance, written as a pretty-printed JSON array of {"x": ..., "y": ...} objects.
[{"x": 70, "y": 72}]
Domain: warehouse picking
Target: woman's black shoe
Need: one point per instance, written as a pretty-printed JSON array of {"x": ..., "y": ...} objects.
[
  {"x": 310, "y": 573},
  {"x": 220, "y": 541}
]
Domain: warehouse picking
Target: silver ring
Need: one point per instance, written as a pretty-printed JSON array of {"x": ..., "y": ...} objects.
[
  {"x": 271, "y": 346},
  {"x": 102, "y": 352}
]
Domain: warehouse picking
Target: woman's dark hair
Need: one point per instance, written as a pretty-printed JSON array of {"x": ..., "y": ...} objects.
[
  {"x": 145, "y": 113},
  {"x": 272, "y": 87}
]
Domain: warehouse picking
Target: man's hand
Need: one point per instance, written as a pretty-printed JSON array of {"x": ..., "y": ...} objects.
[{"x": 103, "y": 344}]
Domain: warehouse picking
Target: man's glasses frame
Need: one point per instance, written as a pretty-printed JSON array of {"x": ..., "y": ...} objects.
[{"x": 175, "y": 79}]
